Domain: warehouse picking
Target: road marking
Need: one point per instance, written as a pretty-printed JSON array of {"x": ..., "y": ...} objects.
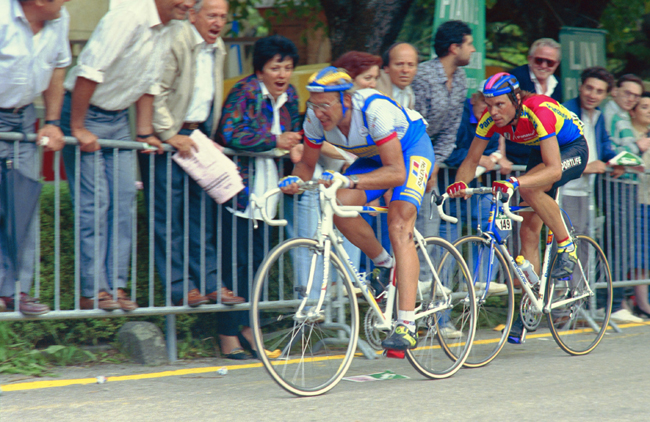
[{"x": 34, "y": 385}]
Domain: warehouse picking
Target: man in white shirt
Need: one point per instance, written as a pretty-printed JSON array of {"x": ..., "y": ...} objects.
[
  {"x": 119, "y": 66},
  {"x": 399, "y": 68},
  {"x": 35, "y": 51},
  {"x": 191, "y": 97}
]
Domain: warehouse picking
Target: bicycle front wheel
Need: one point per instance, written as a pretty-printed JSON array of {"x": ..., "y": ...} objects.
[
  {"x": 306, "y": 352},
  {"x": 495, "y": 305},
  {"x": 446, "y": 335},
  {"x": 576, "y": 326}
]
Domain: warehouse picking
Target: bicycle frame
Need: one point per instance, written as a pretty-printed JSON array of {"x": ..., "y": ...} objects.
[
  {"x": 327, "y": 239},
  {"x": 494, "y": 237}
]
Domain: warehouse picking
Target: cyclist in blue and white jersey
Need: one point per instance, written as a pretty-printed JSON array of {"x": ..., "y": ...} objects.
[{"x": 395, "y": 152}]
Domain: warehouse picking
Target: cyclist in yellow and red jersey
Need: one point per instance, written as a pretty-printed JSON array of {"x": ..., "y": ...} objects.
[{"x": 558, "y": 153}]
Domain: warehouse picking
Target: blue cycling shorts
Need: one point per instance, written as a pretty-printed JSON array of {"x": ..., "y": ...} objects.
[{"x": 418, "y": 161}]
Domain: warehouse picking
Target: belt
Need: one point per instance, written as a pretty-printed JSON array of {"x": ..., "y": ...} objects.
[
  {"x": 191, "y": 125},
  {"x": 15, "y": 110},
  {"x": 101, "y": 110}
]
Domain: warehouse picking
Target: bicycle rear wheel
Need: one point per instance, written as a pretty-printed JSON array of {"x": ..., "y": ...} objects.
[
  {"x": 575, "y": 326},
  {"x": 495, "y": 310},
  {"x": 305, "y": 354},
  {"x": 445, "y": 336}
]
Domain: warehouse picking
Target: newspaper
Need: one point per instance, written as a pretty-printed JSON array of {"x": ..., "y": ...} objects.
[
  {"x": 627, "y": 159},
  {"x": 211, "y": 169}
]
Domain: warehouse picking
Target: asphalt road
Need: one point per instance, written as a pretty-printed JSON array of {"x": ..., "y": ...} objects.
[{"x": 531, "y": 382}]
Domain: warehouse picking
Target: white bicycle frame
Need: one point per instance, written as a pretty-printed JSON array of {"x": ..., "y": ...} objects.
[
  {"x": 538, "y": 303},
  {"x": 327, "y": 237}
]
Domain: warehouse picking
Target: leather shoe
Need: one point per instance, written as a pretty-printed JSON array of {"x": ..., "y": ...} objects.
[
  {"x": 194, "y": 299},
  {"x": 105, "y": 301},
  {"x": 227, "y": 297},
  {"x": 125, "y": 301},
  {"x": 27, "y": 305}
]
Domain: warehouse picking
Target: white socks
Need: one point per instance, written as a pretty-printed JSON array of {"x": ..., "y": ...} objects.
[
  {"x": 407, "y": 318},
  {"x": 383, "y": 259}
]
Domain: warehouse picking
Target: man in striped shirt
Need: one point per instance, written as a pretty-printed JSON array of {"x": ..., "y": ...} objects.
[{"x": 119, "y": 66}]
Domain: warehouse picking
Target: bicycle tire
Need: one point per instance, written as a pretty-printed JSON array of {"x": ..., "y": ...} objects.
[
  {"x": 495, "y": 312},
  {"x": 311, "y": 358},
  {"x": 573, "y": 326},
  {"x": 431, "y": 356}
]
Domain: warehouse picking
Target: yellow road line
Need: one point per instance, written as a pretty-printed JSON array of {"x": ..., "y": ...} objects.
[{"x": 33, "y": 385}]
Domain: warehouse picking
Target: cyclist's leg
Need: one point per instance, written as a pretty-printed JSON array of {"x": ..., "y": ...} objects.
[{"x": 401, "y": 220}]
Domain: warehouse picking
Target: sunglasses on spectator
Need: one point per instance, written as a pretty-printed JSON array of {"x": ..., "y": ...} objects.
[{"x": 540, "y": 60}]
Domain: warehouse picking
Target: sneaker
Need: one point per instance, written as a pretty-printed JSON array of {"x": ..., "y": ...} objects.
[
  {"x": 493, "y": 289},
  {"x": 379, "y": 279},
  {"x": 564, "y": 263},
  {"x": 424, "y": 287},
  {"x": 401, "y": 339},
  {"x": 623, "y": 316},
  {"x": 517, "y": 333},
  {"x": 449, "y": 331}
]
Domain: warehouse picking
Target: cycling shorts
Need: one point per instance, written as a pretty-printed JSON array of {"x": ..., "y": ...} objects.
[
  {"x": 574, "y": 158},
  {"x": 418, "y": 161}
]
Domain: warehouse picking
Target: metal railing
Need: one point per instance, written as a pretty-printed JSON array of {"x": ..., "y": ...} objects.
[{"x": 605, "y": 233}]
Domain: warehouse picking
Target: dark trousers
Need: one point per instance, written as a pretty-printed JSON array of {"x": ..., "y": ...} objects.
[
  {"x": 235, "y": 261},
  {"x": 175, "y": 205}
]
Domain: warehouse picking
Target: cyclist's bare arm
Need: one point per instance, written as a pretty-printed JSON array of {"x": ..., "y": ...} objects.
[
  {"x": 391, "y": 174},
  {"x": 544, "y": 175},
  {"x": 304, "y": 168},
  {"x": 467, "y": 169}
]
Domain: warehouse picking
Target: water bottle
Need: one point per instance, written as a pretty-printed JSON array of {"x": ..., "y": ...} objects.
[{"x": 528, "y": 269}]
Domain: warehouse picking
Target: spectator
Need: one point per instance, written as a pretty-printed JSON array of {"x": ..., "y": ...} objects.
[
  {"x": 260, "y": 113},
  {"x": 191, "y": 97},
  {"x": 119, "y": 66},
  {"x": 362, "y": 67},
  {"x": 440, "y": 89},
  {"x": 625, "y": 96},
  {"x": 618, "y": 123},
  {"x": 538, "y": 77},
  {"x": 577, "y": 195},
  {"x": 400, "y": 64},
  {"x": 640, "y": 115},
  {"x": 27, "y": 72}
]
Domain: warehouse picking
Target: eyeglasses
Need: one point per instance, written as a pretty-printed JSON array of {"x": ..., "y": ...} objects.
[
  {"x": 540, "y": 60},
  {"x": 631, "y": 95},
  {"x": 320, "y": 107}
]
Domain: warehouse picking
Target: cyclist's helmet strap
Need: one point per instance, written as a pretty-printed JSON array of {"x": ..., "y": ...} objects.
[
  {"x": 503, "y": 84},
  {"x": 330, "y": 79}
]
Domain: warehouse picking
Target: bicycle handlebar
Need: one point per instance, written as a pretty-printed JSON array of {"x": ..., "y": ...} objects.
[
  {"x": 440, "y": 200},
  {"x": 504, "y": 197},
  {"x": 255, "y": 205}
]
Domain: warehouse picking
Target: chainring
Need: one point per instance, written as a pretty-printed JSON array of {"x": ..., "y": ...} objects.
[
  {"x": 530, "y": 316},
  {"x": 374, "y": 336}
]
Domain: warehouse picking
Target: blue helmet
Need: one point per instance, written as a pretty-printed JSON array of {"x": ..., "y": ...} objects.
[{"x": 500, "y": 84}]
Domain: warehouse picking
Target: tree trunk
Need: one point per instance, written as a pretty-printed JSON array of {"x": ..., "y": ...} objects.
[{"x": 364, "y": 25}]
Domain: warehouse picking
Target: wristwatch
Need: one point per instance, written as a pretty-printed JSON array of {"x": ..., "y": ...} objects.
[{"x": 354, "y": 179}]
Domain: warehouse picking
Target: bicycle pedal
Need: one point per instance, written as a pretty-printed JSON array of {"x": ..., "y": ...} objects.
[{"x": 394, "y": 354}]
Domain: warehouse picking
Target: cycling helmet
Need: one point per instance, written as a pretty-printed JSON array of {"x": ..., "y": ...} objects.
[
  {"x": 330, "y": 79},
  {"x": 503, "y": 84},
  {"x": 500, "y": 84}
]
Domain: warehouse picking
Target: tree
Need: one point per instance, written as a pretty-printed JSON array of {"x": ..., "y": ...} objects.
[{"x": 365, "y": 25}]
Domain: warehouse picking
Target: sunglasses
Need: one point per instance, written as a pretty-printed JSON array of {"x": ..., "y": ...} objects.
[{"x": 539, "y": 61}]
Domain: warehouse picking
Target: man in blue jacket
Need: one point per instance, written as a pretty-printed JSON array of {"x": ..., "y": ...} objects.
[{"x": 577, "y": 194}]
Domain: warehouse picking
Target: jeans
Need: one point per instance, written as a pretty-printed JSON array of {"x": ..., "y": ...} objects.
[
  {"x": 107, "y": 184},
  {"x": 28, "y": 164},
  {"x": 176, "y": 208}
]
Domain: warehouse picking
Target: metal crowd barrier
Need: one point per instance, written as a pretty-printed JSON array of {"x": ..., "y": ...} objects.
[{"x": 606, "y": 189}]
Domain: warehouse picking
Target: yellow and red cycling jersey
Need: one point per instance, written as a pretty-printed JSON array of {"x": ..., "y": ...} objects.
[{"x": 541, "y": 117}]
